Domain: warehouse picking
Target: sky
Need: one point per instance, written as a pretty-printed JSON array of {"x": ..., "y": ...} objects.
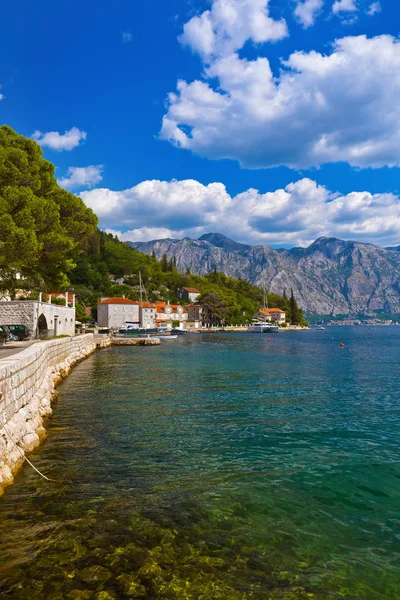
[{"x": 273, "y": 122}]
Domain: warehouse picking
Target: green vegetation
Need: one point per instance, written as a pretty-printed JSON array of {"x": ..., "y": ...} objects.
[
  {"x": 49, "y": 241},
  {"x": 42, "y": 227},
  {"x": 109, "y": 267}
]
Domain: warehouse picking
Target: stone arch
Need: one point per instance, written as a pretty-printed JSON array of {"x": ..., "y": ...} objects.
[{"x": 43, "y": 329}]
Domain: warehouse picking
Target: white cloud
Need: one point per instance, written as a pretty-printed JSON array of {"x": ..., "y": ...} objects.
[
  {"x": 344, "y": 6},
  {"x": 374, "y": 9},
  {"x": 295, "y": 215},
  {"x": 229, "y": 24},
  {"x": 57, "y": 141},
  {"x": 80, "y": 177},
  {"x": 321, "y": 109},
  {"x": 306, "y": 11},
  {"x": 127, "y": 37}
]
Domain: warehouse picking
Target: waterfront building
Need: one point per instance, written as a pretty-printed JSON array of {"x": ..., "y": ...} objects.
[
  {"x": 270, "y": 315},
  {"x": 114, "y": 313},
  {"x": 188, "y": 294},
  {"x": 195, "y": 315},
  {"x": 166, "y": 313},
  {"x": 44, "y": 319}
]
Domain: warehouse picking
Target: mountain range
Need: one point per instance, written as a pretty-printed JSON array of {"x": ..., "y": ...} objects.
[{"x": 329, "y": 277}]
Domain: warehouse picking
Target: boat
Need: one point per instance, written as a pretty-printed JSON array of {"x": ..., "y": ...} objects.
[
  {"x": 166, "y": 337},
  {"x": 133, "y": 329},
  {"x": 177, "y": 331},
  {"x": 320, "y": 328},
  {"x": 261, "y": 327}
]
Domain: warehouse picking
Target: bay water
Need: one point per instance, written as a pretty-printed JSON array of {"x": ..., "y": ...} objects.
[{"x": 217, "y": 467}]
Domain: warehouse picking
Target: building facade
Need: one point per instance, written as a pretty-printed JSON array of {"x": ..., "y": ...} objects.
[
  {"x": 188, "y": 294},
  {"x": 115, "y": 313},
  {"x": 42, "y": 318},
  {"x": 271, "y": 315},
  {"x": 167, "y": 313}
]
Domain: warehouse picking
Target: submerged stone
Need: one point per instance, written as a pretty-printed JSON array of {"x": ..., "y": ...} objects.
[
  {"x": 131, "y": 586},
  {"x": 95, "y": 574}
]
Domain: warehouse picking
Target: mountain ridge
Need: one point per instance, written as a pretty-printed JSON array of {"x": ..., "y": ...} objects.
[{"x": 330, "y": 276}]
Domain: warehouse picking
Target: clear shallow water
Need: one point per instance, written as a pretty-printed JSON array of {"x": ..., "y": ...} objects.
[{"x": 224, "y": 467}]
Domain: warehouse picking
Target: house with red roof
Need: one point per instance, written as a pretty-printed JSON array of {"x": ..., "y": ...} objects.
[
  {"x": 166, "y": 313},
  {"x": 187, "y": 293},
  {"x": 271, "y": 315},
  {"x": 115, "y": 313}
]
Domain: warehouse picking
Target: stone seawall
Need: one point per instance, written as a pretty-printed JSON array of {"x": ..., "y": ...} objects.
[{"x": 27, "y": 389}]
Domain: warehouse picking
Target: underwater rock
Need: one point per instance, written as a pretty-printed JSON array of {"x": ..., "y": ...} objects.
[
  {"x": 105, "y": 596},
  {"x": 95, "y": 574},
  {"x": 80, "y": 595},
  {"x": 131, "y": 586}
]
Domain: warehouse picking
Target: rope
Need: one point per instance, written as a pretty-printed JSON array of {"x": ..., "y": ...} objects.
[{"x": 22, "y": 453}]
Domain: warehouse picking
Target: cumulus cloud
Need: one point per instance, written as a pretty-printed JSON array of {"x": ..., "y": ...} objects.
[
  {"x": 306, "y": 11},
  {"x": 82, "y": 177},
  {"x": 344, "y": 6},
  {"x": 295, "y": 215},
  {"x": 126, "y": 37},
  {"x": 374, "y": 9},
  {"x": 229, "y": 24},
  {"x": 57, "y": 141},
  {"x": 323, "y": 108}
]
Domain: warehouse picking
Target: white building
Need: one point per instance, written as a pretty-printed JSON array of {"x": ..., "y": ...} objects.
[
  {"x": 271, "y": 315},
  {"x": 188, "y": 294},
  {"x": 166, "y": 313},
  {"x": 116, "y": 312},
  {"x": 43, "y": 319},
  {"x": 119, "y": 312}
]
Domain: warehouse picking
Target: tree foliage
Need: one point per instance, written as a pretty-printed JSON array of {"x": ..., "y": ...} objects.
[{"x": 43, "y": 228}]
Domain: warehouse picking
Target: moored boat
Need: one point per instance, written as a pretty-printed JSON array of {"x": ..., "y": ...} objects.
[{"x": 261, "y": 327}]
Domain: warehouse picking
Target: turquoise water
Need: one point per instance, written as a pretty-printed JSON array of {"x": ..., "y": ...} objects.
[{"x": 217, "y": 467}]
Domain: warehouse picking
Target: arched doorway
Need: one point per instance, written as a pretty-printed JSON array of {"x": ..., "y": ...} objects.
[{"x": 43, "y": 329}]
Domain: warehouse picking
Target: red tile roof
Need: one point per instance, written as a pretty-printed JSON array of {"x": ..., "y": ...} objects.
[
  {"x": 268, "y": 311},
  {"x": 118, "y": 301},
  {"x": 192, "y": 290}
]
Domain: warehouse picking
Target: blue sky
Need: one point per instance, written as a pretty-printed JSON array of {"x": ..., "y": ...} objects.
[{"x": 279, "y": 133}]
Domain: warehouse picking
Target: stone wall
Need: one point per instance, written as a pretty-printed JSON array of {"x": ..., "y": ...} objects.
[
  {"x": 27, "y": 388},
  {"x": 39, "y": 315}
]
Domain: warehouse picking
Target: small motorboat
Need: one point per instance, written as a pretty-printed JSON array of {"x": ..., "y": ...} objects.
[{"x": 177, "y": 331}]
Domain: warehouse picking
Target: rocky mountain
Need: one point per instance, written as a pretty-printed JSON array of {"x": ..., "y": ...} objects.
[{"x": 331, "y": 276}]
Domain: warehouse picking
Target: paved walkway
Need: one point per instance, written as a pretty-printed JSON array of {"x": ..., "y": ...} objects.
[{"x": 12, "y": 348}]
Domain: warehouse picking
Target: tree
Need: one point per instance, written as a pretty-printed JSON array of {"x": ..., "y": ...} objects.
[
  {"x": 42, "y": 227},
  {"x": 164, "y": 263},
  {"x": 295, "y": 313},
  {"x": 214, "y": 309}
]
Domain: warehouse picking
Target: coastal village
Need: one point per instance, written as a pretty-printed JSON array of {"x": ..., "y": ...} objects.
[
  {"x": 53, "y": 315},
  {"x": 115, "y": 313}
]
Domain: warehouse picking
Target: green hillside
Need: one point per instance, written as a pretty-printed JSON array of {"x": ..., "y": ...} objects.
[{"x": 49, "y": 241}]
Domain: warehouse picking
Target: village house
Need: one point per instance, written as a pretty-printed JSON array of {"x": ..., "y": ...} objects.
[
  {"x": 188, "y": 294},
  {"x": 271, "y": 315},
  {"x": 195, "y": 315},
  {"x": 115, "y": 313},
  {"x": 166, "y": 313}
]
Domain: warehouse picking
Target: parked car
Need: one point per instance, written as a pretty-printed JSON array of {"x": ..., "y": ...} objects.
[
  {"x": 4, "y": 334},
  {"x": 21, "y": 332}
]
